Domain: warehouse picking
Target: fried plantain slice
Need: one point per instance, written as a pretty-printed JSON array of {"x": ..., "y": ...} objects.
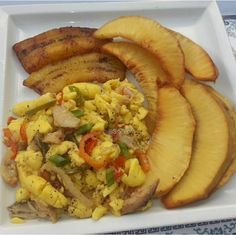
[
  {"x": 82, "y": 68},
  {"x": 54, "y": 45}
]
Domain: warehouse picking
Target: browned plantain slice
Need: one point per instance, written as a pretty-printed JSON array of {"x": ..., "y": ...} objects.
[
  {"x": 55, "y": 45},
  {"x": 82, "y": 68},
  {"x": 196, "y": 59}
]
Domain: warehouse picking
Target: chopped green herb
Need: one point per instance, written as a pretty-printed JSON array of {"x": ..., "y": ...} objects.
[
  {"x": 124, "y": 149},
  {"x": 110, "y": 176},
  {"x": 74, "y": 89},
  {"x": 41, "y": 107},
  {"x": 79, "y": 99},
  {"x": 84, "y": 129},
  {"x": 59, "y": 160},
  {"x": 78, "y": 113}
]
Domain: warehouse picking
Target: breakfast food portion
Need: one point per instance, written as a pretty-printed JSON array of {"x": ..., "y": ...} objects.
[
  {"x": 55, "y": 45},
  {"x": 94, "y": 143},
  {"x": 154, "y": 37},
  {"x": 147, "y": 71},
  {"x": 211, "y": 153},
  {"x": 81, "y": 151},
  {"x": 196, "y": 60},
  {"x": 89, "y": 67},
  {"x": 170, "y": 151}
]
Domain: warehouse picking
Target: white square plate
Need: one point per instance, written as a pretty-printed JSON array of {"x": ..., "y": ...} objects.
[{"x": 199, "y": 20}]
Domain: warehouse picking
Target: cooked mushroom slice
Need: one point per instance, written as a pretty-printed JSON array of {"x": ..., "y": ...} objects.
[
  {"x": 54, "y": 138},
  {"x": 64, "y": 118},
  {"x": 9, "y": 171},
  {"x": 139, "y": 197},
  {"x": 68, "y": 184},
  {"x": 38, "y": 145},
  {"x": 33, "y": 210}
]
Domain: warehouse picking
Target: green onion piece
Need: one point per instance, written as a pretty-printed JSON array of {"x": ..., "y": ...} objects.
[
  {"x": 110, "y": 176},
  {"x": 78, "y": 113},
  {"x": 79, "y": 98},
  {"x": 124, "y": 149},
  {"x": 84, "y": 129},
  {"x": 59, "y": 160},
  {"x": 74, "y": 89},
  {"x": 41, "y": 107}
]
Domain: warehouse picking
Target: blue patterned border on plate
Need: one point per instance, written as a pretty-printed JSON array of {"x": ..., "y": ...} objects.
[{"x": 227, "y": 226}]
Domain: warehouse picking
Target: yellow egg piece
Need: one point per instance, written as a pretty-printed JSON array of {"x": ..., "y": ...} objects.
[
  {"x": 99, "y": 212},
  {"x": 33, "y": 106},
  {"x": 135, "y": 176}
]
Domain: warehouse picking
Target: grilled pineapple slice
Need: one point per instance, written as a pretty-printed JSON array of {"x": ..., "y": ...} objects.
[
  {"x": 147, "y": 70},
  {"x": 232, "y": 120},
  {"x": 197, "y": 61},
  {"x": 211, "y": 155},
  {"x": 54, "y": 45},
  {"x": 152, "y": 36},
  {"x": 169, "y": 152},
  {"x": 82, "y": 68}
]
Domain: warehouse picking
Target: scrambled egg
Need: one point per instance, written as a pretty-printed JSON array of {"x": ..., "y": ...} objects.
[
  {"x": 135, "y": 176},
  {"x": 31, "y": 107},
  {"x": 66, "y": 147},
  {"x": 107, "y": 109}
]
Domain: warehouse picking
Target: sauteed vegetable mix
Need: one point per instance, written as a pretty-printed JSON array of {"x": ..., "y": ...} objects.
[{"x": 79, "y": 152}]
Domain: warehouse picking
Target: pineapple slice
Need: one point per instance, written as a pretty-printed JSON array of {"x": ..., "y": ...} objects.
[
  {"x": 170, "y": 150},
  {"x": 197, "y": 61},
  {"x": 152, "y": 36},
  {"x": 210, "y": 157},
  {"x": 229, "y": 109},
  {"x": 147, "y": 70}
]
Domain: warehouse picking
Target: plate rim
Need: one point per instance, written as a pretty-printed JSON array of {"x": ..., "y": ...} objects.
[{"x": 7, "y": 11}]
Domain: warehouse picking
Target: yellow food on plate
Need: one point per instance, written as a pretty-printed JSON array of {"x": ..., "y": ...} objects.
[
  {"x": 170, "y": 151},
  {"x": 230, "y": 110},
  {"x": 154, "y": 37},
  {"x": 211, "y": 148},
  {"x": 147, "y": 71},
  {"x": 91, "y": 67},
  {"x": 196, "y": 59},
  {"x": 55, "y": 45},
  {"x": 94, "y": 143},
  {"x": 78, "y": 151}
]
